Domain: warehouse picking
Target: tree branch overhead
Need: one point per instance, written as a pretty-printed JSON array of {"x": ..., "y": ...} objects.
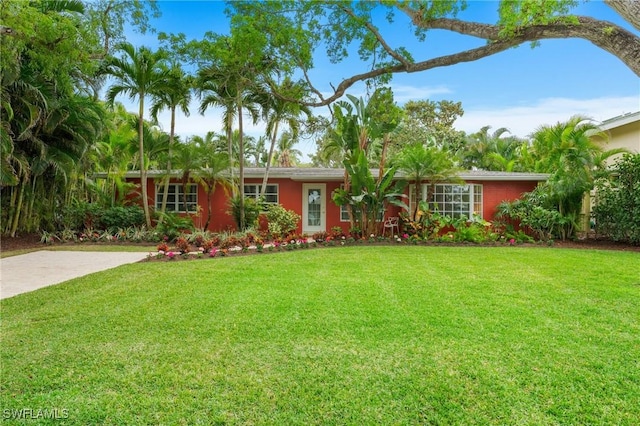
[{"x": 613, "y": 38}]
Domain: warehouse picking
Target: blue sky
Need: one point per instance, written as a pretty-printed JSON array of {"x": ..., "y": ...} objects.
[{"x": 520, "y": 89}]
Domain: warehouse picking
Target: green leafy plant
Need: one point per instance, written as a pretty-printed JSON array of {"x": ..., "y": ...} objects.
[
  {"x": 80, "y": 215},
  {"x": 47, "y": 237},
  {"x": 281, "y": 221},
  {"x": 336, "y": 232},
  {"x": 366, "y": 195},
  {"x": 172, "y": 225},
  {"x": 121, "y": 217},
  {"x": 426, "y": 223},
  {"x": 252, "y": 210},
  {"x": 537, "y": 212},
  {"x": 617, "y": 212}
]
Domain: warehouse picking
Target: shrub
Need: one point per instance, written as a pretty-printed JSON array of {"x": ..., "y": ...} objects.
[
  {"x": 198, "y": 238},
  {"x": 617, "y": 213},
  {"x": 320, "y": 236},
  {"x": 121, "y": 217},
  {"x": 80, "y": 215},
  {"x": 336, "y": 232},
  {"x": 536, "y": 212},
  {"x": 182, "y": 245},
  {"x": 172, "y": 225},
  {"x": 470, "y": 233},
  {"x": 229, "y": 242},
  {"x": 428, "y": 224},
  {"x": 207, "y": 245},
  {"x": 281, "y": 221},
  {"x": 48, "y": 237},
  {"x": 252, "y": 210}
]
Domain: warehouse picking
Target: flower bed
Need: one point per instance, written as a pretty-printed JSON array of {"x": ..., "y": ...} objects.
[{"x": 237, "y": 247}]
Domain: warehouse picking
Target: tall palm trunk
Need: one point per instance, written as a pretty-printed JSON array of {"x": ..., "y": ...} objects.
[
  {"x": 416, "y": 194},
  {"x": 263, "y": 190},
  {"x": 209, "y": 205},
  {"x": 241, "y": 165},
  {"x": 230, "y": 149},
  {"x": 16, "y": 217},
  {"x": 383, "y": 156},
  {"x": 143, "y": 170},
  {"x": 165, "y": 193}
]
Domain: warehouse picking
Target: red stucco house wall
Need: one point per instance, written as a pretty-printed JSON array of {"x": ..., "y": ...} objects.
[{"x": 292, "y": 184}]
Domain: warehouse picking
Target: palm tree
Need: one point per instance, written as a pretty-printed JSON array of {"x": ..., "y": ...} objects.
[
  {"x": 235, "y": 92},
  {"x": 176, "y": 94},
  {"x": 139, "y": 73},
  {"x": 423, "y": 163},
  {"x": 213, "y": 93},
  {"x": 569, "y": 153},
  {"x": 491, "y": 151},
  {"x": 260, "y": 154},
  {"x": 188, "y": 159},
  {"x": 114, "y": 153},
  {"x": 280, "y": 111},
  {"x": 287, "y": 155},
  {"x": 213, "y": 171}
]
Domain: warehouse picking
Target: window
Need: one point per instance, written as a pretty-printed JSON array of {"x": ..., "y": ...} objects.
[
  {"x": 453, "y": 200},
  {"x": 176, "y": 200},
  {"x": 270, "y": 195},
  {"x": 344, "y": 214}
]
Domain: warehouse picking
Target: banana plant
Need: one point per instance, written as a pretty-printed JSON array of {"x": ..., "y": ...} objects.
[{"x": 367, "y": 195}]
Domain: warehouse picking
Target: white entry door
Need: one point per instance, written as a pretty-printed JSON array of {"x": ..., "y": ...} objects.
[{"x": 313, "y": 207}]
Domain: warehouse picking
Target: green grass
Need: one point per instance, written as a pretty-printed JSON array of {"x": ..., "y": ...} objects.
[{"x": 357, "y": 335}]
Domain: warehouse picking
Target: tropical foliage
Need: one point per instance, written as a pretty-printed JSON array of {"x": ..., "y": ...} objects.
[
  {"x": 63, "y": 146},
  {"x": 139, "y": 73},
  {"x": 617, "y": 212}
]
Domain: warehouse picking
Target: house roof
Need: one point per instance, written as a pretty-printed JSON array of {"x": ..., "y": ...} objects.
[
  {"x": 327, "y": 174},
  {"x": 319, "y": 174},
  {"x": 619, "y": 121}
]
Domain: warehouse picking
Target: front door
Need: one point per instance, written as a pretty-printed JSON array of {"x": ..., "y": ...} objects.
[{"x": 313, "y": 207}]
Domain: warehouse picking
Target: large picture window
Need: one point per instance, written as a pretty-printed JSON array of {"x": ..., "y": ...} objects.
[
  {"x": 176, "y": 201},
  {"x": 270, "y": 195},
  {"x": 453, "y": 200}
]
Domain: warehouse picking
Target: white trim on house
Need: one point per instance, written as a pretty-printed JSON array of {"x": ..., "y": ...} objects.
[
  {"x": 452, "y": 199},
  {"x": 621, "y": 120},
  {"x": 175, "y": 203},
  {"x": 270, "y": 197},
  {"x": 314, "y": 207}
]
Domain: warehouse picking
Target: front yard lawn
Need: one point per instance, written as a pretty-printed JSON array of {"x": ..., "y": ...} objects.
[{"x": 353, "y": 335}]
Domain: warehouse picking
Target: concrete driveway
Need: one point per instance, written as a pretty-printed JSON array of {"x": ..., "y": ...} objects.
[{"x": 31, "y": 271}]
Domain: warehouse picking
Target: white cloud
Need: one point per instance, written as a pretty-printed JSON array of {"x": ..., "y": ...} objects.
[
  {"x": 522, "y": 120},
  {"x": 211, "y": 121},
  {"x": 403, "y": 93}
]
